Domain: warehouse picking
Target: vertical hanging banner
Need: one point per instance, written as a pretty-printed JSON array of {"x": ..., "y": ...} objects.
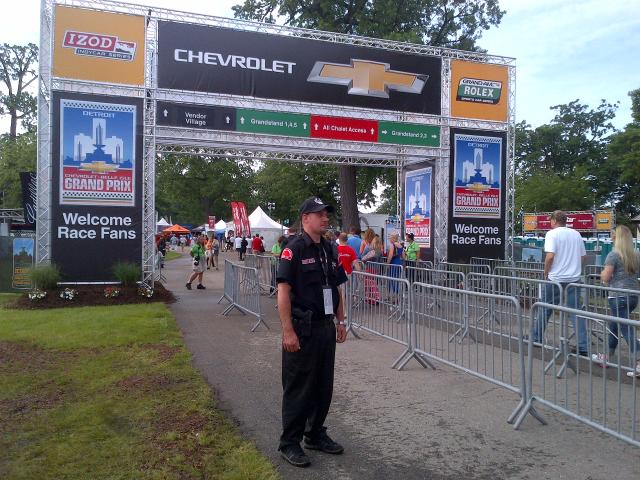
[
  {"x": 29, "y": 196},
  {"x": 240, "y": 219},
  {"x": 417, "y": 205},
  {"x": 99, "y": 46},
  {"x": 96, "y": 185},
  {"x": 477, "y": 195},
  {"x": 212, "y": 222}
]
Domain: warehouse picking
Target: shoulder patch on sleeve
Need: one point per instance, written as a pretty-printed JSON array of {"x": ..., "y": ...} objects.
[{"x": 287, "y": 254}]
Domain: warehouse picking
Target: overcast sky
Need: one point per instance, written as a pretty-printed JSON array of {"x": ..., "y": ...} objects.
[{"x": 565, "y": 49}]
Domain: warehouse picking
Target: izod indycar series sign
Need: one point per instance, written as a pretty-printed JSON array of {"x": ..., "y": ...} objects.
[{"x": 253, "y": 64}]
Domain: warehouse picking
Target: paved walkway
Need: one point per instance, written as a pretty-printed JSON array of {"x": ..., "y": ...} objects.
[{"x": 414, "y": 424}]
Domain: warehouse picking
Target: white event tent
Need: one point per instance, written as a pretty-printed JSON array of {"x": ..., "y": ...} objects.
[{"x": 266, "y": 227}]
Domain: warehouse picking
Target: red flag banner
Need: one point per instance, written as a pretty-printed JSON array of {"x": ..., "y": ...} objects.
[
  {"x": 212, "y": 222},
  {"x": 244, "y": 219}
]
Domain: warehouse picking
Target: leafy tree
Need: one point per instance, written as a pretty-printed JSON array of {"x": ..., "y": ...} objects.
[
  {"x": 564, "y": 164},
  {"x": 189, "y": 188},
  {"x": 450, "y": 23},
  {"x": 16, "y": 155},
  {"x": 624, "y": 160},
  {"x": 17, "y": 74}
]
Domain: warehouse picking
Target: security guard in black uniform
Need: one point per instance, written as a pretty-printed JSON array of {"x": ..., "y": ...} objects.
[{"x": 308, "y": 301}]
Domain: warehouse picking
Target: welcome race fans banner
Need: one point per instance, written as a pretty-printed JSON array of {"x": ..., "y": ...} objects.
[{"x": 477, "y": 195}]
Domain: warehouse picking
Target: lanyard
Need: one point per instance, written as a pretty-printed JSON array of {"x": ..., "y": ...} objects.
[{"x": 324, "y": 262}]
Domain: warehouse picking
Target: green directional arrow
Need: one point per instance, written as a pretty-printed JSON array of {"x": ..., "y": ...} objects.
[
  {"x": 408, "y": 134},
  {"x": 272, "y": 123}
]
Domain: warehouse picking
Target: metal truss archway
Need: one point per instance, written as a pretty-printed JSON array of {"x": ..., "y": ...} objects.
[{"x": 159, "y": 140}]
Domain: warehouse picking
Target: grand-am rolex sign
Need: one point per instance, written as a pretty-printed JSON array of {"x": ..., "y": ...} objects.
[
  {"x": 97, "y": 191},
  {"x": 221, "y": 60}
]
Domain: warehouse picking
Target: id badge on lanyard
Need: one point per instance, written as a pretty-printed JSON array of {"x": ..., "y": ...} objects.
[{"x": 327, "y": 293}]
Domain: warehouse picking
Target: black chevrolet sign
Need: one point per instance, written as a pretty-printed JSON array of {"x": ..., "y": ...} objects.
[
  {"x": 226, "y": 61},
  {"x": 180, "y": 115}
]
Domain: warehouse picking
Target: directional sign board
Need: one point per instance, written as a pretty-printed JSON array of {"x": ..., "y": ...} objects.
[
  {"x": 342, "y": 128},
  {"x": 273, "y": 123},
  {"x": 196, "y": 116},
  {"x": 408, "y": 134},
  {"x": 297, "y": 125}
]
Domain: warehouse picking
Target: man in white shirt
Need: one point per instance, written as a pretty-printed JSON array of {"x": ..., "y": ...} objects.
[{"x": 565, "y": 255}]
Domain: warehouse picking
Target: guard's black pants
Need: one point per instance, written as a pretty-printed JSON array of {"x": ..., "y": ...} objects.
[{"x": 307, "y": 382}]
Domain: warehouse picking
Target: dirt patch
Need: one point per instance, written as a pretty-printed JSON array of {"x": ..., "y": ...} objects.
[
  {"x": 49, "y": 395},
  {"x": 169, "y": 421},
  {"x": 144, "y": 383},
  {"x": 165, "y": 352},
  {"x": 25, "y": 356},
  {"x": 91, "y": 296}
]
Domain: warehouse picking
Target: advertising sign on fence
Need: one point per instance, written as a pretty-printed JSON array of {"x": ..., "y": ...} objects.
[
  {"x": 417, "y": 205},
  {"x": 253, "y": 64},
  {"x": 477, "y": 199},
  {"x": 584, "y": 221},
  {"x": 99, "y": 46},
  {"x": 96, "y": 184},
  {"x": 479, "y": 90}
]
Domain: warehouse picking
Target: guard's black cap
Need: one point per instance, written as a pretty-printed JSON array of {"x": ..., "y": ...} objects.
[{"x": 314, "y": 204}]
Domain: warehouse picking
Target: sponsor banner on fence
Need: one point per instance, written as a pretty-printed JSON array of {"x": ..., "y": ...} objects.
[
  {"x": 585, "y": 221},
  {"x": 221, "y": 60},
  {"x": 98, "y": 153},
  {"x": 99, "y": 46},
  {"x": 605, "y": 220},
  {"x": 417, "y": 205},
  {"x": 96, "y": 183},
  {"x": 479, "y": 90},
  {"x": 477, "y": 199},
  {"x": 477, "y": 172}
]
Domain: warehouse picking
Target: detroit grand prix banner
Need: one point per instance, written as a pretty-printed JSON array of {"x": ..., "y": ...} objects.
[
  {"x": 417, "y": 205},
  {"x": 221, "y": 60},
  {"x": 96, "y": 183},
  {"x": 240, "y": 219},
  {"x": 476, "y": 195}
]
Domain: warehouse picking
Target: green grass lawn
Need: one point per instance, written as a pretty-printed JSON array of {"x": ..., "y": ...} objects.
[
  {"x": 109, "y": 392},
  {"x": 171, "y": 255}
]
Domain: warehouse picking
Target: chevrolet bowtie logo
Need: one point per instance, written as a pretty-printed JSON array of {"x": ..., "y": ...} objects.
[{"x": 363, "y": 77}]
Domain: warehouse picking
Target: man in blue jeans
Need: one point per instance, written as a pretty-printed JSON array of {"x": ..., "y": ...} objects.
[{"x": 565, "y": 255}]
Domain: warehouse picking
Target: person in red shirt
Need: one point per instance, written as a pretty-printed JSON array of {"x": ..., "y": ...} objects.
[
  {"x": 346, "y": 254},
  {"x": 256, "y": 244}
]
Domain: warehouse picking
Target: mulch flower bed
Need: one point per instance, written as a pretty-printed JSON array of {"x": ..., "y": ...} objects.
[{"x": 93, "y": 295}]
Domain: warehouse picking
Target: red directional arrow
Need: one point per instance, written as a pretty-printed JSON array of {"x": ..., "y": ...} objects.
[{"x": 340, "y": 128}]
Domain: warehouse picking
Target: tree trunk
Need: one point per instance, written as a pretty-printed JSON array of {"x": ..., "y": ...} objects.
[
  {"x": 13, "y": 128},
  {"x": 350, "y": 217}
]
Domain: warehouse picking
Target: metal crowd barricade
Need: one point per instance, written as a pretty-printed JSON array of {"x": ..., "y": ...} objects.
[
  {"x": 242, "y": 290},
  {"x": 529, "y": 265},
  {"x": 490, "y": 262},
  {"x": 379, "y": 304},
  {"x": 592, "y": 274},
  {"x": 465, "y": 268},
  {"x": 267, "y": 266},
  {"x": 606, "y": 399},
  {"x": 443, "y": 278},
  {"x": 438, "y": 312},
  {"x": 506, "y": 271}
]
